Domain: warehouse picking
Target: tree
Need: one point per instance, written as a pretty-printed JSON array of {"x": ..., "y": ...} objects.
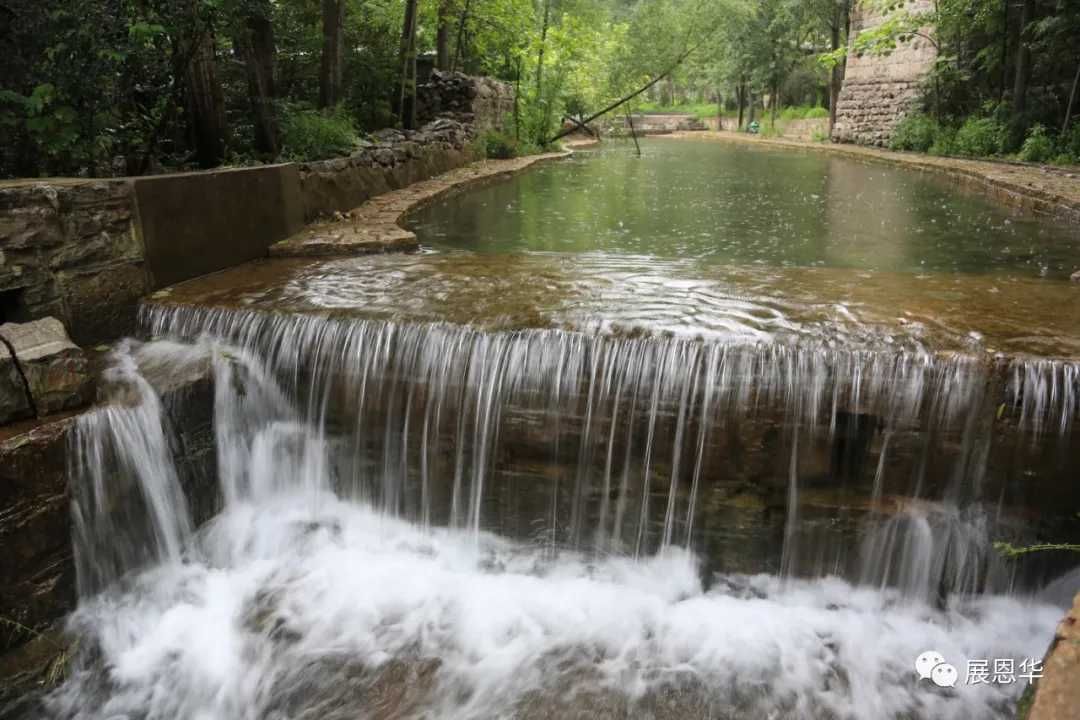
[
  {"x": 205, "y": 102},
  {"x": 330, "y": 72},
  {"x": 442, "y": 35},
  {"x": 407, "y": 89},
  {"x": 254, "y": 43}
]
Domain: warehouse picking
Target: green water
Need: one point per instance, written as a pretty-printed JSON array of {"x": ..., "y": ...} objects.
[{"x": 732, "y": 204}]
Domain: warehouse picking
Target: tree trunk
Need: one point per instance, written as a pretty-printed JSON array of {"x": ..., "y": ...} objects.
[
  {"x": 742, "y": 103},
  {"x": 1023, "y": 61},
  {"x": 841, "y": 18},
  {"x": 407, "y": 60},
  {"x": 460, "y": 44},
  {"x": 256, "y": 47},
  {"x": 205, "y": 100},
  {"x": 1069, "y": 107},
  {"x": 442, "y": 36},
  {"x": 540, "y": 53},
  {"x": 1004, "y": 48},
  {"x": 331, "y": 68}
]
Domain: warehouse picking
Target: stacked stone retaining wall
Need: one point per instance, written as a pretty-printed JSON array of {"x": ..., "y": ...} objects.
[{"x": 879, "y": 90}]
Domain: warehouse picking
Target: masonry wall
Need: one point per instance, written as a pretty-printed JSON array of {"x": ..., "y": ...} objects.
[
  {"x": 879, "y": 89},
  {"x": 86, "y": 251}
]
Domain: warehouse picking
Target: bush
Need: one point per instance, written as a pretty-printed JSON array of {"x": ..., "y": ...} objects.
[
  {"x": 1069, "y": 143},
  {"x": 944, "y": 141},
  {"x": 1038, "y": 145},
  {"x": 803, "y": 113},
  {"x": 499, "y": 145},
  {"x": 979, "y": 137},
  {"x": 502, "y": 145},
  {"x": 916, "y": 133},
  {"x": 308, "y": 134}
]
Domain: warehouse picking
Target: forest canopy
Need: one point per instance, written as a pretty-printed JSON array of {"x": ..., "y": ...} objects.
[{"x": 123, "y": 87}]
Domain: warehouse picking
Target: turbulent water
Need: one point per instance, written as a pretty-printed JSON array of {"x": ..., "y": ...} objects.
[{"x": 428, "y": 520}]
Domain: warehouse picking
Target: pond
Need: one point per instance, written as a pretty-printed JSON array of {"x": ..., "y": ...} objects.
[{"x": 730, "y": 204}]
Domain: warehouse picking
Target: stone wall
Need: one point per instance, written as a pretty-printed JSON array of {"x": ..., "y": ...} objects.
[
  {"x": 389, "y": 160},
  {"x": 71, "y": 249},
  {"x": 86, "y": 251},
  {"x": 478, "y": 101},
  {"x": 879, "y": 89}
]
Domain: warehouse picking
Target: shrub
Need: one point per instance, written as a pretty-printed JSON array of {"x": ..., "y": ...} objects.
[
  {"x": 803, "y": 113},
  {"x": 944, "y": 141},
  {"x": 499, "y": 145},
  {"x": 979, "y": 137},
  {"x": 1069, "y": 143},
  {"x": 308, "y": 134},
  {"x": 916, "y": 133},
  {"x": 1038, "y": 145}
]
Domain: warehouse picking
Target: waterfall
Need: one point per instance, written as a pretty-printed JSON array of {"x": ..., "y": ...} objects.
[{"x": 432, "y": 518}]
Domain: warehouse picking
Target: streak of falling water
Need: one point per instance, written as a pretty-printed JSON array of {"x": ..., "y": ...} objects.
[
  {"x": 634, "y": 414},
  {"x": 128, "y": 508}
]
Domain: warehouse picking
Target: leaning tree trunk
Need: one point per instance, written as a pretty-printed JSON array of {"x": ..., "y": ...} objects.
[
  {"x": 330, "y": 70},
  {"x": 256, "y": 47},
  {"x": 205, "y": 100},
  {"x": 407, "y": 60},
  {"x": 442, "y": 35}
]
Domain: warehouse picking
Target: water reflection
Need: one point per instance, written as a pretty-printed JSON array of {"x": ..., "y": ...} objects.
[{"x": 733, "y": 204}]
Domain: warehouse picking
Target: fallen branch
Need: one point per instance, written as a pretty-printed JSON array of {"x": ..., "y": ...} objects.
[{"x": 618, "y": 103}]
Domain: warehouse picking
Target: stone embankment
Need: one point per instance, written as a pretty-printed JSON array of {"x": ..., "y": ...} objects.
[{"x": 374, "y": 226}]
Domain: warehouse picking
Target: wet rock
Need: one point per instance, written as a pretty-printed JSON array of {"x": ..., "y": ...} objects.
[
  {"x": 14, "y": 402},
  {"x": 1057, "y": 694},
  {"x": 54, "y": 368},
  {"x": 36, "y": 572}
]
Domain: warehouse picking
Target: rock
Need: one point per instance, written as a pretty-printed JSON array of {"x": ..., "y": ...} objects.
[
  {"x": 14, "y": 402},
  {"x": 54, "y": 368},
  {"x": 1057, "y": 694}
]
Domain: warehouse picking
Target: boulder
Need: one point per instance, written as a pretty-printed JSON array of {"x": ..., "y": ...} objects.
[{"x": 54, "y": 368}]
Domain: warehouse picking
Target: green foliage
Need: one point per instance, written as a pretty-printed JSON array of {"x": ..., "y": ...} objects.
[
  {"x": 979, "y": 137},
  {"x": 1069, "y": 143},
  {"x": 944, "y": 142},
  {"x": 1011, "y": 551},
  {"x": 1038, "y": 145},
  {"x": 916, "y": 132},
  {"x": 502, "y": 145},
  {"x": 308, "y": 134},
  {"x": 803, "y": 113}
]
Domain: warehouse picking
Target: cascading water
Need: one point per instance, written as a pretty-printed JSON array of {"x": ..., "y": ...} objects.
[{"x": 436, "y": 521}]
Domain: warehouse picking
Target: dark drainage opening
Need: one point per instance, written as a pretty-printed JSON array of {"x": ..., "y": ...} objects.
[{"x": 13, "y": 306}]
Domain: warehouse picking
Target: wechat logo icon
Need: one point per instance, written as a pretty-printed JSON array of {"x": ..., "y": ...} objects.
[{"x": 931, "y": 666}]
